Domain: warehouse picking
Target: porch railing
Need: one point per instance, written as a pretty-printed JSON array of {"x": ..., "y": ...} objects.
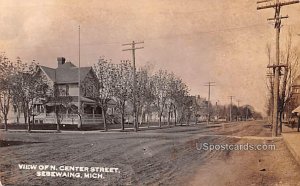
[
  {"x": 73, "y": 118},
  {"x": 75, "y": 115}
]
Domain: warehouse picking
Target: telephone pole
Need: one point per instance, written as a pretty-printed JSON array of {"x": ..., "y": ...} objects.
[
  {"x": 79, "y": 125},
  {"x": 133, "y": 48},
  {"x": 209, "y": 84},
  {"x": 276, "y": 67},
  {"x": 231, "y": 97}
]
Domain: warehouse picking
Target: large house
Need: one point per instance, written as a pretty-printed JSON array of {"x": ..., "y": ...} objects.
[
  {"x": 296, "y": 91},
  {"x": 65, "y": 80}
]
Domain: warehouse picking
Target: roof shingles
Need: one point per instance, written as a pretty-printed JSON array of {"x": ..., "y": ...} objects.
[{"x": 67, "y": 73}]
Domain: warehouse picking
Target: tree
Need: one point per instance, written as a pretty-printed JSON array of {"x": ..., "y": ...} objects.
[
  {"x": 160, "y": 81},
  {"x": 270, "y": 84},
  {"x": 176, "y": 93},
  {"x": 107, "y": 76},
  {"x": 289, "y": 73},
  {"x": 145, "y": 93},
  {"x": 61, "y": 102},
  {"x": 7, "y": 70},
  {"x": 28, "y": 88},
  {"x": 123, "y": 88},
  {"x": 179, "y": 93}
]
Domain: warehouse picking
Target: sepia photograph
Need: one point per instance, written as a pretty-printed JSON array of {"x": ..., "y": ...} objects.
[{"x": 140, "y": 92}]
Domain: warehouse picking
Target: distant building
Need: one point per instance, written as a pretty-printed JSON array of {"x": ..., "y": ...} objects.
[
  {"x": 296, "y": 91},
  {"x": 295, "y": 98}
]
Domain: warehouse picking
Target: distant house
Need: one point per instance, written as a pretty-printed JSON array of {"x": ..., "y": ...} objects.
[
  {"x": 296, "y": 91},
  {"x": 295, "y": 100},
  {"x": 65, "y": 80}
]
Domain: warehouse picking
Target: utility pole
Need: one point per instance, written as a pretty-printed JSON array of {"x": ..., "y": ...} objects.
[
  {"x": 231, "y": 97},
  {"x": 209, "y": 84},
  {"x": 276, "y": 68},
  {"x": 79, "y": 83},
  {"x": 133, "y": 48}
]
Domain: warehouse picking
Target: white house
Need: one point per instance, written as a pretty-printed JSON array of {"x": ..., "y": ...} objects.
[{"x": 65, "y": 79}]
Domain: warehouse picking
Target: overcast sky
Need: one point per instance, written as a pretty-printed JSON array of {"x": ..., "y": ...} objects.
[{"x": 199, "y": 40}]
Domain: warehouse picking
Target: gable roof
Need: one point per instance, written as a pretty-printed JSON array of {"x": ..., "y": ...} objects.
[{"x": 67, "y": 73}]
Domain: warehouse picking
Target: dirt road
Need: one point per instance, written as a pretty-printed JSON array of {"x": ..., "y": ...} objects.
[{"x": 154, "y": 157}]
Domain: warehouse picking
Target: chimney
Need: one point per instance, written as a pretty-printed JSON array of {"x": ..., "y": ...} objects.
[{"x": 60, "y": 61}]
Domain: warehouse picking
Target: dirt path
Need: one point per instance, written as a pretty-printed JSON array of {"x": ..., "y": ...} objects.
[
  {"x": 156, "y": 157},
  {"x": 271, "y": 167}
]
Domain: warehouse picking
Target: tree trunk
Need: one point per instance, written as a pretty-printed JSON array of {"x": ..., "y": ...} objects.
[
  {"x": 5, "y": 122},
  {"x": 32, "y": 120},
  {"x": 29, "y": 125},
  {"x": 175, "y": 117},
  {"x": 280, "y": 122},
  {"x": 25, "y": 117},
  {"x": 160, "y": 114},
  {"x": 122, "y": 121},
  {"x": 79, "y": 125},
  {"x": 147, "y": 120},
  {"x": 18, "y": 116},
  {"x": 57, "y": 123},
  {"x": 169, "y": 115},
  {"x": 142, "y": 117},
  {"x": 104, "y": 119}
]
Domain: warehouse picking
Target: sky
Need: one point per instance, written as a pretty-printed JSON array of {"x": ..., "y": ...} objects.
[{"x": 199, "y": 40}]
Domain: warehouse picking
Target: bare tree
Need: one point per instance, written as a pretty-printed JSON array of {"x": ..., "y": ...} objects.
[
  {"x": 7, "y": 71},
  {"x": 160, "y": 81},
  {"x": 270, "y": 83},
  {"x": 179, "y": 95},
  {"x": 28, "y": 88},
  {"x": 145, "y": 92},
  {"x": 61, "y": 102},
  {"x": 106, "y": 73},
  {"x": 290, "y": 58},
  {"x": 123, "y": 88}
]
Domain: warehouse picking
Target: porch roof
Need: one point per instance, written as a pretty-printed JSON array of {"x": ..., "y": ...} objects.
[{"x": 74, "y": 101}]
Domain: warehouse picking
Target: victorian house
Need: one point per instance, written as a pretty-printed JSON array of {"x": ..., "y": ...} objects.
[{"x": 65, "y": 81}]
